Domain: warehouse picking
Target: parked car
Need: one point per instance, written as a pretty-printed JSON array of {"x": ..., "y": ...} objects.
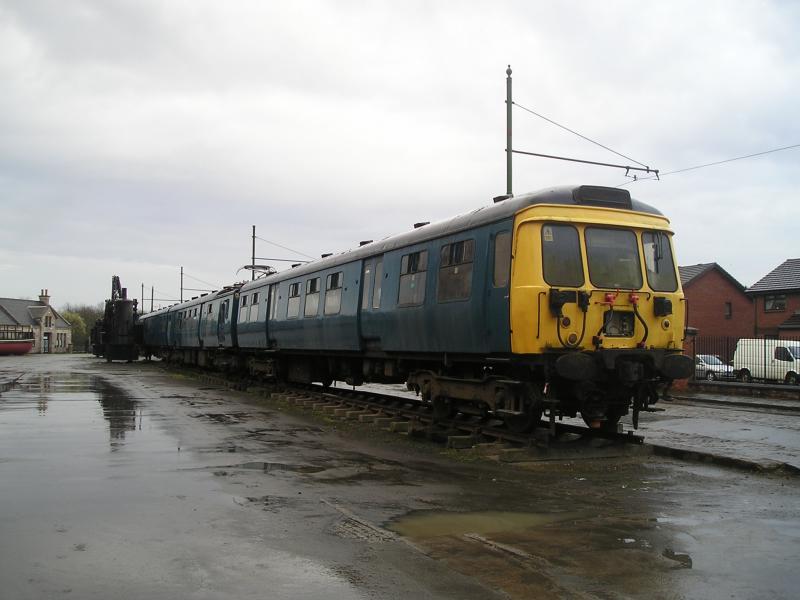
[
  {"x": 711, "y": 367},
  {"x": 768, "y": 360}
]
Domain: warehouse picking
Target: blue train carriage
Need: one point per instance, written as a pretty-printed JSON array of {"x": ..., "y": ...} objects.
[
  {"x": 200, "y": 331},
  {"x": 566, "y": 299}
]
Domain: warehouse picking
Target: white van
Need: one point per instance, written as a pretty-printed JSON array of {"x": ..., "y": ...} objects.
[{"x": 770, "y": 360}]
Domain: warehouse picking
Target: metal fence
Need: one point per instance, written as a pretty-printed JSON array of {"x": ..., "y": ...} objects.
[{"x": 745, "y": 359}]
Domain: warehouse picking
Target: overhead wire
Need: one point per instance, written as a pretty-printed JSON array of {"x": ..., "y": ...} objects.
[
  {"x": 580, "y": 135},
  {"x": 284, "y": 247},
  {"x": 712, "y": 164},
  {"x": 213, "y": 285}
]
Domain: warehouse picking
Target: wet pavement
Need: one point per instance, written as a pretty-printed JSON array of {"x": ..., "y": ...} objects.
[
  {"x": 751, "y": 433},
  {"x": 126, "y": 481}
]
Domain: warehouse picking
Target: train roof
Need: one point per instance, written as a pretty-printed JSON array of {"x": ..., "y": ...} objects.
[{"x": 502, "y": 209}]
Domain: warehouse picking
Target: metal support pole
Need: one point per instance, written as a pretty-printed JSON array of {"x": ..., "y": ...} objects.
[
  {"x": 253, "y": 263},
  {"x": 152, "y": 288},
  {"x": 181, "y": 284},
  {"x": 142, "y": 297},
  {"x": 508, "y": 132}
]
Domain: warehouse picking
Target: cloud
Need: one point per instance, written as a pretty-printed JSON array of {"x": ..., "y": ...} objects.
[{"x": 135, "y": 134}]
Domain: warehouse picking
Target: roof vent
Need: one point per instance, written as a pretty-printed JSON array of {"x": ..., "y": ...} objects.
[
  {"x": 421, "y": 224},
  {"x": 364, "y": 242},
  {"x": 326, "y": 255},
  {"x": 296, "y": 265},
  {"x": 595, "y": 195},
  {"x": 503, "y": 197}
]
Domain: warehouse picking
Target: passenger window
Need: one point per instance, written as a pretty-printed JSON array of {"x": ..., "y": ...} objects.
[
  {"x": 376, "y": 294},
  {"x": 502, "y": 259},
  {"x": 293, "y": 306},
  {"x": 413, "y": 271},
  {"x": 658, "y": 262},
  {"x": 455, "y": 271},
  {"x": 333, "y": 294},
  {"x": 561, "y": 256},
  {"x": 367, "y": 279},
  {"x": 312, "y": 298}
]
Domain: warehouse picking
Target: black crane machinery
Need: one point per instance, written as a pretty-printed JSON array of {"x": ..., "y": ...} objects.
[{"x": 116, "y": 335}]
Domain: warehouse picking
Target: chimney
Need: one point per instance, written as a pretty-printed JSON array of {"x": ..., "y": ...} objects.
[{"x": 44, "y": 297}]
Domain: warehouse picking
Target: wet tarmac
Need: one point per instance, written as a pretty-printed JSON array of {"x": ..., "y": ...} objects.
[{"x": 125, "y": 481}]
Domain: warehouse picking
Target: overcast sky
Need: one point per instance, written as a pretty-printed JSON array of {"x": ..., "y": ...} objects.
[{"x": 140, "y": 136}]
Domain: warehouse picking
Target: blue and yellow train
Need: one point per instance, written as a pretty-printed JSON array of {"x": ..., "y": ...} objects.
[{"x": 566, "y": 300}]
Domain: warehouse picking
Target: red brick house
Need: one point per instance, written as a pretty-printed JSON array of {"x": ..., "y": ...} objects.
[
  {"x": 777, "y": 301},
  {"x": 717, "y": 302}
]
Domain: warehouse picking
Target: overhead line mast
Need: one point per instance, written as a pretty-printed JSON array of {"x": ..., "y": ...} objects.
[{"x": 509, "y": 151}]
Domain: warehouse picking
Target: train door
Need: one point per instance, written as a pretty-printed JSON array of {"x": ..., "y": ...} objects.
[
  {"x": 222, "y": 319},
  {"x": 498, "y": 281},
  {"x": 272, "y": 310},
  {"x": 371, "y": 287}
]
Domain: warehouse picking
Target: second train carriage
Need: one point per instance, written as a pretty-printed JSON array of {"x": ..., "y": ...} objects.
[{"x": 566, "y": 299}]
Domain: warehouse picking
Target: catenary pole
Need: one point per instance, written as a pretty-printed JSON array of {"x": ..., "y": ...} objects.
[
  {"x": 253, "y": 263},
  {"x": 181, "y": 284},
  {"x": 508, "y": 132}
]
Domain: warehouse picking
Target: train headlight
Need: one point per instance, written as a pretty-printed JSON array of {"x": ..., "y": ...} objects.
[{"x": 665, "y": 324}]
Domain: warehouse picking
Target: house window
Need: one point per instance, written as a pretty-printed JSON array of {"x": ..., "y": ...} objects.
[
  {"x": 312, "y": 297},
  {"x": 455, "y": 271},
  {"x": 333, "y": 294},
  {"x": 775, "y": 302},
  {"x": 293, "y": 307},
  {"x": 413, "y": 270},
  {"x": 728, "y": 310},
  {"x": 502, "y": 259}
]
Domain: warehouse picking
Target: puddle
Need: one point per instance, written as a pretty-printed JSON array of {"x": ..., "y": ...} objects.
[
  {"x": 268, "y": 467},
  {"x": 421, "y": 525}
]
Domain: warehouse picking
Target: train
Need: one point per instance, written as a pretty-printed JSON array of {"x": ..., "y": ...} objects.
[{"x": 556, "y": 303}]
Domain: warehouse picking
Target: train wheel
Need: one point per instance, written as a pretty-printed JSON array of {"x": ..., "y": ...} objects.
[{"x": 443, "y": 408}]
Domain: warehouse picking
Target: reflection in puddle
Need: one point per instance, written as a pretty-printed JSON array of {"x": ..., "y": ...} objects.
[
  {"x": 40, "y": 390},
  {"x": 433, "y": 524}
]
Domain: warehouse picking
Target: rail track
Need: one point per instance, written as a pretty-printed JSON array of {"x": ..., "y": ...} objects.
[{"x": 414, "y": 417}]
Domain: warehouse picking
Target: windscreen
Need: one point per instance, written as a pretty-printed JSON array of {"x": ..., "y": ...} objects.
[
  {"x": 561, "y": 256},
  {"x": 658, "y": 262},
  {"x": 613, "y": 258}
]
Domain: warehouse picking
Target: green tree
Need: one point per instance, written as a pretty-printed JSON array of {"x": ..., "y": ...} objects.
[
  {"x": 80, "y": 332},
  {"x": 87, "y": 315}
]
